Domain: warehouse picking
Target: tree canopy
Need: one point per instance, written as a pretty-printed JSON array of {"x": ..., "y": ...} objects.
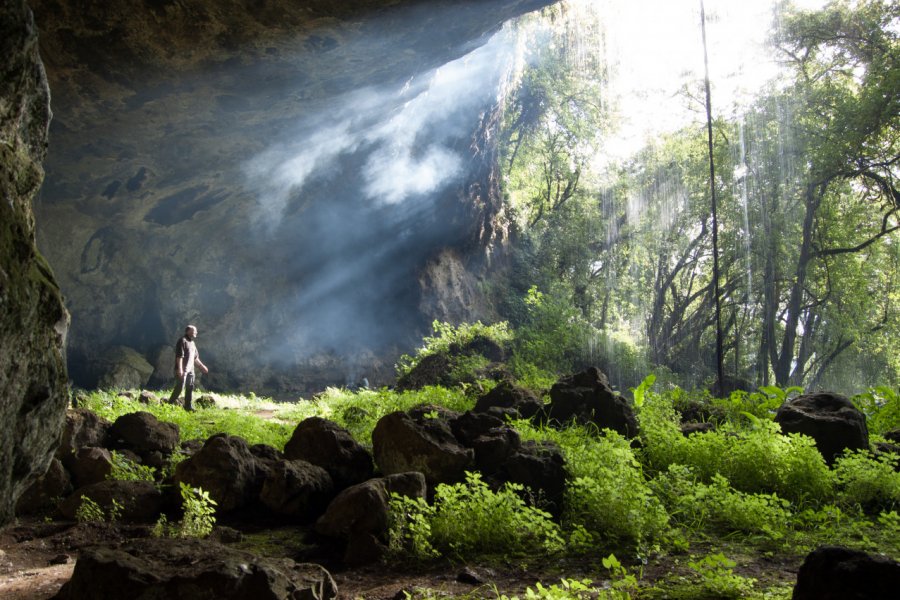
[{"x": 809, "y": 213}]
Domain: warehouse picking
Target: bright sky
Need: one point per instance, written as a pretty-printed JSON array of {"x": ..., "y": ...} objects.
[{"x": 654, "y": 47}]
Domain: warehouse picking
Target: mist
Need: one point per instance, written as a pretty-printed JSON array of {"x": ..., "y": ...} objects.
[{"x": 356, "y": 195}]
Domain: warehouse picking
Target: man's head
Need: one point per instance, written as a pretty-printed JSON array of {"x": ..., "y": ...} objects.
[{"x": 190, "y": 332}]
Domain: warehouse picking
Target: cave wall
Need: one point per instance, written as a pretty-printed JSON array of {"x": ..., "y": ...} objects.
[
  {"x": 155, "y": 212},
  {"x": 33, "y": 320}
]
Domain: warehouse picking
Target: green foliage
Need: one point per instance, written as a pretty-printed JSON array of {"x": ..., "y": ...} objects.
[
  {"x": 868, "y": 481},
  {"x": 761, "y": 404},
  {"x": 198, "y": 519},
  {"x": 124, "y": 469},
  {"x": 568, "y": 589},
  {"x": 639, "y": 391},
  {"x": 469, "y": 519},
  {"x": 448, "y": 337},
  {"x": 410, "y": 528},
  {"x": 607, "y": 495},
  {"x": 757, "y": 460},
  {"x": 718, "y": 578},
  {"x": 881, "y": 405},
  {"x": 89, "y": 511},
  {"x": 718, "y": 506},
  {"x": 199, "y": 512},
  {"x": 359, "y": 411}
]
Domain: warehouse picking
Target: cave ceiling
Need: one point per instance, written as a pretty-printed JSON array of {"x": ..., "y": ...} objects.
[{"x": 228, "y": 163}]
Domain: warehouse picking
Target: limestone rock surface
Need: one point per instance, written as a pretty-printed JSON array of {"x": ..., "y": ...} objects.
[
  {"x": 247, "y": 167},
  {"x": 33, "y": 319}
]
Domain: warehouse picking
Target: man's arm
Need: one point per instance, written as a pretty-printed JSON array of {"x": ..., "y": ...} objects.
[{"x": 200, "y": 364}]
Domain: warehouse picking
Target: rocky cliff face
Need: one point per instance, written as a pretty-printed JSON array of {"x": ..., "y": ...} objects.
[
  {"x": 33, "y": 321},
  {"x": 308, "y": 182}
]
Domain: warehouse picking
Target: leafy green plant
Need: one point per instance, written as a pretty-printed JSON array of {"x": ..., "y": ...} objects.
[
  {"x": 868, "y": 481},
  {"x": 718, "y": 577},
  {"x": 607, "y": 496},
  {"x": 881, "y": 405},
  {"x": 199, "y": 512},
  {"x": 89, "y": 511},
  {"x": 469, "y": 518},
  {"x": 198, "y": 519},
  {"x": 639, "y": 391},
  {"x": 448, "y": 336},
  {"x": 124, "y": 469},
  {"x": 409, "y": 532},
  {"x": 755, "y": 460},
  {"x": 717, "y": 506},
  {"x": 566, "y": 589}
]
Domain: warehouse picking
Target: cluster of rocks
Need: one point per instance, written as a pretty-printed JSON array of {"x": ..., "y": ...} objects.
[
  {"x": 327, "y": 480},
  {"x": 324, "y": 477},
  {"x": 84, "y": 461}
]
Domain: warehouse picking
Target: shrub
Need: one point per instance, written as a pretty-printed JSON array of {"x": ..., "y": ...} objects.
[
  {"x": 468, "y": 518},
  {"x": 447, "y": 336},
  {"x": 718, "y": 579},
  {"x": 124, "y": 469},
  {"x": 607, "y": 495},
  {"x": 718, "y": 506},
  {"x": 881, "y": 405},
  {"x": 757, "y": 460},
  {"x": 198, "y": 519},
  {"x": 868, "y": 481},
  {"x": 89, "y": 511}
]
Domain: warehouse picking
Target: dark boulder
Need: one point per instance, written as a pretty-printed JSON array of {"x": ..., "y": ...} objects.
[
  {"x": 471, "y": 425},
  {"x": 186, "y": 569},
  {"x": 492, "y": 441},
  {"x": 44, "y": 494},
  {"x": 138, "y": 501},
  {"x": 433, "y": 369},
  {"x": 688, "y": 429},
  {"x": 330, "y": 446},
  {"x": 359, "y": 515},
  {"x": 587, "y": 398},
  {"x": 830, "y": 419},
  {"x": 145, "y": 435},
  {"x": 227, "y": 469},
  {"x": 440, "y": 368},
  {"x": 147, "y": 397},
  {"x": 836, "y": 573},
  {"x": 83, "y": 429},
  {"x": 266, "y": 453},
  {"x": 509, "y": 396},
  {"x": 89, "y": 466},
  {"x": 541, "y": 468},
  {"x": 297, "y": 489},
  {"x": 142, "y": 432},
  {"x": 422, "y": 441},
  {"x": 892, "y": 436},
  {"x": 479, "y": 345}
]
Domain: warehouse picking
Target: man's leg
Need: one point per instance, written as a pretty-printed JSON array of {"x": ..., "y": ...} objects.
[
  {"x": 188, "y": 391},
  {"x": 176, "y": 391}
]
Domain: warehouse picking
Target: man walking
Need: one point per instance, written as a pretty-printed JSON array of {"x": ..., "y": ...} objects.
[{"x": 186, "y": 357}]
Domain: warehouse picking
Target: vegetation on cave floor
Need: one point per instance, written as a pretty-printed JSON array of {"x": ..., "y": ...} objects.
[{"x": 725, "y": 513}]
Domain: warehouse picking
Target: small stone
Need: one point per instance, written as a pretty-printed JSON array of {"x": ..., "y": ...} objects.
[
  {"x": 60, "y": 559},
  {"x": 470, "y": 576}
]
